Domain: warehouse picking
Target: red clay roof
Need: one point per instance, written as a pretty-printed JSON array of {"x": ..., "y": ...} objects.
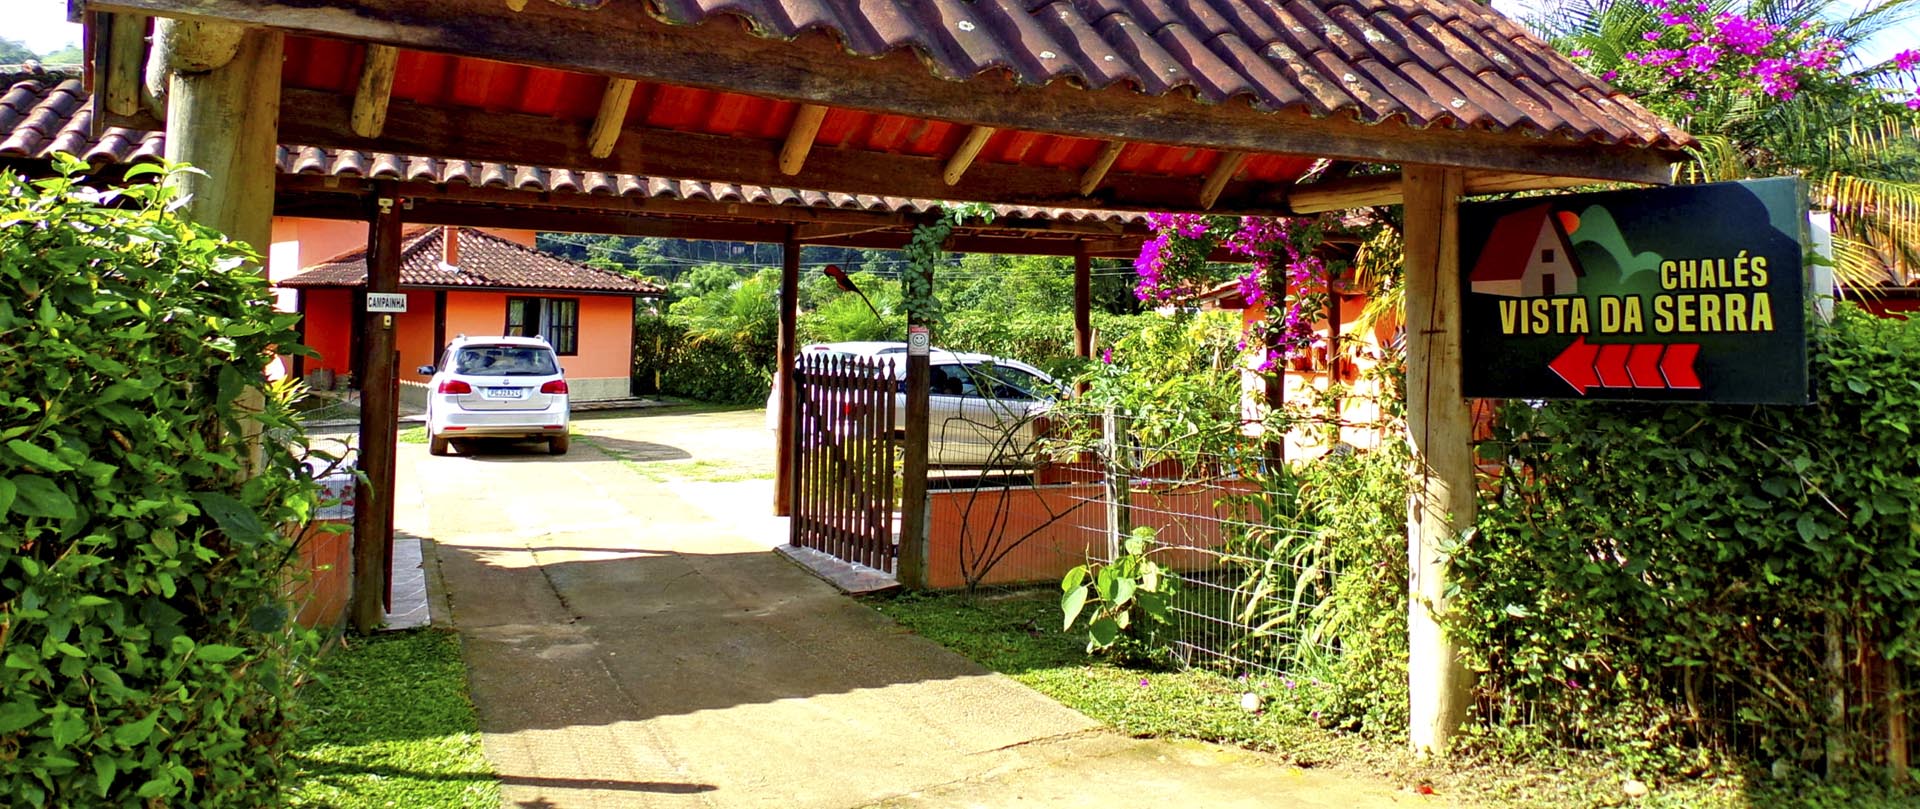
[
  {"x": 486, "y": 261},
  {"x": 43, "y": 112},
  {"x": 1429, "y": 63}
]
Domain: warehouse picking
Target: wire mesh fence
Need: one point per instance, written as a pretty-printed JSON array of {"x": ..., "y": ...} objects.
[{"x": 1027, "y": 505}]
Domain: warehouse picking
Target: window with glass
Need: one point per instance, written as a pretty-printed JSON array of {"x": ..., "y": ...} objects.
[{"x": 556, "y": 319}]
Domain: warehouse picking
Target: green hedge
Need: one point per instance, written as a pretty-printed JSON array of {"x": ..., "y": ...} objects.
[
  {"x": 146, "y": 658},
  {"x": 1654, "y": 578},
  {"x": 669, "y": 359}
]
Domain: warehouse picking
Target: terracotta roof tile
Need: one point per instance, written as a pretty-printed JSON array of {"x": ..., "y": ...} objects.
[
  {"x": 1374, "y": 59},
  {"x": 486, "y": 261}
]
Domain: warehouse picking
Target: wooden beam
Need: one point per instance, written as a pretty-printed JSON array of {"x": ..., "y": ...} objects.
[
  {"x": 1440, "y": 428},
  {"x": 126, "y": 60},
  {"x": 1102, "y": 163},
  {"x": 197, "y": 45},
  {"x": 963, "y": 157},
  {"x": 534, "y": 140},
  {"x": 612, "y": 119},
  {"x": 806, "y": 127},
  {"x": 1385, "y": 189},
  {"x": 375, "y": 90},
  {"x": 1228, "y": 166},
  {"x": 624, "y": 39}
]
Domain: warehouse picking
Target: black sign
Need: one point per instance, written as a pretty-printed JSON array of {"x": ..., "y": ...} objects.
[{"x": 1691, "y": 293}]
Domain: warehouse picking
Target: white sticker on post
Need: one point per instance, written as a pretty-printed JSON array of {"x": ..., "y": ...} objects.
[
  {"x": 917, "y": 341},
  {"x": 387, "y": 302}
]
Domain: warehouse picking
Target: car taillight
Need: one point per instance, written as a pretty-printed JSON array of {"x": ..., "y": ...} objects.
[
  {"x": 556, "y": 386},
  {"x": 850, "y": 410},
  {"x": 455, "y": 386}
]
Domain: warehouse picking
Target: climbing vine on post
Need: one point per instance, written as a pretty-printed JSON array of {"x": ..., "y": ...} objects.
[{"x": 924, "y": 251}]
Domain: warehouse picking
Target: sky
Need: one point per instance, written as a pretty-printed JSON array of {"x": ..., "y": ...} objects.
[{"x": 43, "y": 25}]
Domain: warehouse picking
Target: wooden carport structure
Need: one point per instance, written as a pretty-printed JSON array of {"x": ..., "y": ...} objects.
[{"x": 1191, "y": 105}]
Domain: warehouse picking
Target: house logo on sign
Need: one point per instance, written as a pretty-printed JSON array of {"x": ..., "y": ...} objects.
[{"x": 1529, "y": 256}]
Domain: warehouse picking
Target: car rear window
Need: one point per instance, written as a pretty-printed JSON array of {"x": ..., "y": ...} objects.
[{"x": 505, "y": 361}]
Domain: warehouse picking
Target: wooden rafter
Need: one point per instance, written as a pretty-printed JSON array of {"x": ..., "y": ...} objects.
[
  {"x": 1228, "y": 166},
  {"x": 612, "y": 119},
  {"x": 806, "y": 127},
  {"x": 375, "y": 90},
  {"x": 533, "y": 140},
  {"x": 963, "y": 157},
  {"x": 622, "y": 39},
  {"x": 1102, "y": 163}
]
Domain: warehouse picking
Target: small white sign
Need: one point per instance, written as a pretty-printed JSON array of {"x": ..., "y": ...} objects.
[
  {"x": 386, "y": 302},
  {"x": 917, "y": 341}
]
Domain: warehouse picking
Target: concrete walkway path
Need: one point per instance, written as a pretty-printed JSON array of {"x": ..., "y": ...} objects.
[{"x": 629, "y": 648}]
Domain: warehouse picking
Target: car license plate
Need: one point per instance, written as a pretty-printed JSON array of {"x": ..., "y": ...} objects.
[{"x": 506, "y": 393}]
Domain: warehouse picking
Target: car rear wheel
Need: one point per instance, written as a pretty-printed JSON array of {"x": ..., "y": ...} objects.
[
  {"x": 558, "y": 444},
  {"x": 437, "y": 445}
]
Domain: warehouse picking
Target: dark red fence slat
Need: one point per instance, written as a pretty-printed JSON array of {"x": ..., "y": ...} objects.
[{"x": 843, "y": 458}]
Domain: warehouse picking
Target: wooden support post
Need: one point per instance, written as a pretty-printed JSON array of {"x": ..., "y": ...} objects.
[
  {"x": 783, "y": 472},
  {"x": 379, "y": 422},
  {"x": 224, "y": 100},
  {"x": 221, "y": 119},
  {"x": 963, "y": 157},
  {"x": 1083, "y": 306},
  {"x": 806, "y": 126},
  {"x": 127, "y": 57},
  {"x": 1102, "y": 163},
  {"x": 375, "y": 91},
  {"x": 1223, "y": 172},
  {"x": 912, "y": 566},
  {"x": 1439, "y": 428},
  {"x": 612, "y": 118}
]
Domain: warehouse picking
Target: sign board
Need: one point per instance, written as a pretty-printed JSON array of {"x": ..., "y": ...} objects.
[
  {"x": 917, "y": 341},
  {"x": 1690, "y": 293},
  {"x": 386, "y": 302}
]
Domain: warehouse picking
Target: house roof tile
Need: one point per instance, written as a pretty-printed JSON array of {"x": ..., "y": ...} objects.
[
  {"x": 485, "y": 261},
  {"x": 44, "y": 111},
  {"x": 1376, "y": 60}
]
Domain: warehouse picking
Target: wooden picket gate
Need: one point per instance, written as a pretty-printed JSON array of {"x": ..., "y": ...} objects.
[{"x": 843, "y": 457}]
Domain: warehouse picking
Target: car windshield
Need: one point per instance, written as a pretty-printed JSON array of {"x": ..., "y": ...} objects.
[{"x": 505, "y": 361}]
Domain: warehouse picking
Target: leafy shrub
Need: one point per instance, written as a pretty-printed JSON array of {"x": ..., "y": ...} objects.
[
  {"x": 145, "y": 659},
  {"x": 1648, "y": 576},
  {"x": 1325, "y": 584},
  {"x": 670, "y": 358}
]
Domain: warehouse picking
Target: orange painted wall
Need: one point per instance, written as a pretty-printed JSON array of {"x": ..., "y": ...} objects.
[
  {"x": 606, "y": 329},
  {"x": 328, "y": 321},
  {"x": 1360, "y": 351},
  {"x": 606, "y": 323},
  {"x": 1062, "y": 526}
]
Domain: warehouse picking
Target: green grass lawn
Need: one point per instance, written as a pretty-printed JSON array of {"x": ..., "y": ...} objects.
[
  {"x": 1019, "y": 635},
  {"x": 387, "y": 723}
]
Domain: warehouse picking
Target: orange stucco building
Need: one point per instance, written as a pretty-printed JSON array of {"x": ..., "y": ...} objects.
[{"x": 457, "y": 281}]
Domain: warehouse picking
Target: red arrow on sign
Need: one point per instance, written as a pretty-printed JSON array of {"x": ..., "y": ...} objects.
[
  {"x": 1677, "y": 366},
  {"x": 1644, "y": 366},
  {"x": 1575, "y": 365}
]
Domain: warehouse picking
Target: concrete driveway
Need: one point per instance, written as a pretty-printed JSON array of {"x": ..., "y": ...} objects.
[{"x": 632, "y": 641}]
